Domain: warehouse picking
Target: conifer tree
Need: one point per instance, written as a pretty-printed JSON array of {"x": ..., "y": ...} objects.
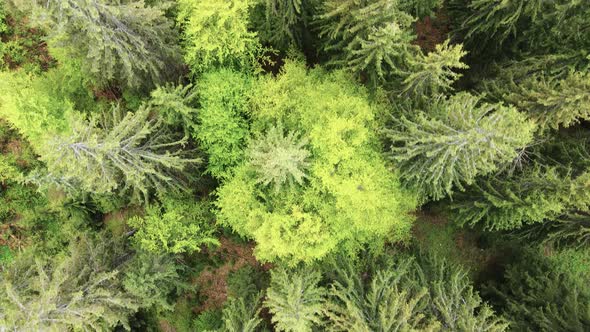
[
  {"x": 538, "y": 297},
  {"x": 124, "y": 42},
  {"x": 571, "y": 229},
  {"x": 420, "y": 8},
  {"x": 241, "y": 315},
  {"x": 278, "y": 158},
  {"x": 285, "y": 20},
  {"x": 372, "y": 37},
  {"x": 295, "y": 300},
  {"x": 551, "y": 102},
  {"x": 80, "y": 291},
  {"x": 134, "y": 152},
  {"x": 433, "y": 73},
  {"x": 533, "y": 196},
  {"x": 215, "y": 33},
  {"x": 459, "y": 139}
]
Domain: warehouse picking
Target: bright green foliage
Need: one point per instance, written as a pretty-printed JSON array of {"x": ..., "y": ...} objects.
[
  {"x": 215, "y": 33},
  {"x": 124, "y": 42},
  {"x": 80, "y": 291},
  {"x": 178, "y": 225},
  {"x": 349, "y": 196},
  {"x": 132, "y": 153},
  {"x": 241, "y": 315},
  {"x": 420, "y": 8},
  {"x": 458, "y": 140},
  {"x": 551, "y": 102},
  {"x": 433, "y": 74},
  {"x": 406, "y": 295},
  {"x": 372, "y": 37},
  {"x": 504, "y": 203},
  {"x": 295, "y": 300},
  {"x": 175, "y": 104},
  {"x": 222, "y": 128},
  {"x": 34, "y": 105},
  {"x": 538, "y": 297},
  {"x": 279, "y": 158},
  {"x": 151, "y": 279}
]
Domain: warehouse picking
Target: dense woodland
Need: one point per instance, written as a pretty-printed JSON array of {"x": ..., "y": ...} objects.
[{"x": 294, "y": 165}]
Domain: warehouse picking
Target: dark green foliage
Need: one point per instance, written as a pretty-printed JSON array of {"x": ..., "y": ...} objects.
[
  {"x": 295, "y": 300},
  {"x": 458, "y": 139},
  {"x": 535, "y": 296},
  {"x": 420, "y": 8},
  {"x": 535, "y": 195},
  {"x": 572, "y": 229},
  {"x": 371, "y": 37},
  {"x": 151, "y": 279},
  {"x": 208, "y": 321},
  {"x": 246, "y": 282},
  {"x": 127, "y": 43}
]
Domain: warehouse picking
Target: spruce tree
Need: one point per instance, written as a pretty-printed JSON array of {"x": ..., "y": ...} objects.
[
  {"x": 80, "y": 291},
  {"x": 372, "y": 37},
  {"x": 121, "y": 42},
  {"x": 536, "y": 296},
  {"x": 528, "y": 197},
  {"x": 132, "y": 153},
  {"x": 295, "y": 300},
  {"x": 551, "y": 102},
  {"x": 433, "y": 73},
  {"x": 460, "y": 138}
]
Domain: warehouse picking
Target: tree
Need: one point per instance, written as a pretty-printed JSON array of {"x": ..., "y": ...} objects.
[
  {"x": 460, "y": 138},
  {"x": 134, "y": 151},
  {"x": 532, "y": 196},
  {"x": 222, "y": 126},
  {"x": 373, "y": 37},
  {"x": 551, "y": 102},
  {"x": 279, "y": 158},
  {"x": 571, "y": 229},
  {"x": 215, "y": 33},
  {"x": 128, "y": 42},
  {"x": 295, "y": 300},
  {"x": 420, "y": 8},
  {"x": 538, "y": 297},
  {"x": 81, "y": 290},
  {"x": 404, "y": 293},
  {"x": 432, "y": 74},
  {"x": 176, "y": 226},
  {"x": 241, "y": 315},
  {"x": 347, "y": 181}
]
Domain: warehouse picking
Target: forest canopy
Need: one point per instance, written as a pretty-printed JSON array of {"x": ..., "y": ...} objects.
[{"x": 294, "y": 165}]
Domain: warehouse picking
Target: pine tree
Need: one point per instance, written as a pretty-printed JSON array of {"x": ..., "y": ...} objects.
[
  {"x": 433, "y": 74},
  {"x": 459, "y": 139},
  {"x": 571, "y": 229},
  {"x": 134, "y": 152},
  {"x": 283, "y": 19},
  {"x": 551, "y": 102},
  {"x": 533, "y": 196},
  {"x": 420, "y": 8},
  {"x": 538, "y": 297},
  {"x": 80, "y": 291},
  {"x": 295, "y": 299},
  {"x": 127, "y": 42}
]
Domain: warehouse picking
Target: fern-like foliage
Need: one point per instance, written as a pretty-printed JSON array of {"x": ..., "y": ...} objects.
[
  {"x": 460, "y": 139},
  {"x": 572, "y": 229},
  {"x": 535, "y": 195},
  {"x": 241, "y": 315},
  {"x": 295, "y": 300},
  {"x": 368, "y": 36},
  {"x": 279, "y": 158},
  {"x": 549, "y": 101},
  {"x": 433, "y": 73}
]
